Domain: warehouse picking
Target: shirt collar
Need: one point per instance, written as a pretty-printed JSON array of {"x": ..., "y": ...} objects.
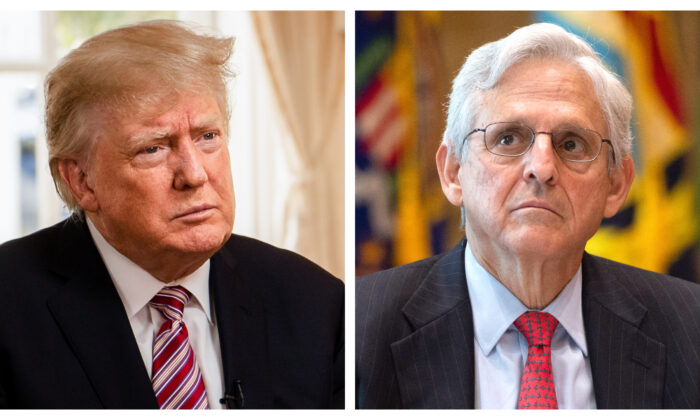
[
  {"x": 136, "y": 286},
  {"x": 568, "y": 310},
  {"x": 498, "y": 308}
]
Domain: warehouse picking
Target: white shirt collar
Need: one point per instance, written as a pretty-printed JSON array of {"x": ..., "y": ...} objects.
[
  {"x": 495, "y": 308},
  {"x": 136, "y": 286}
]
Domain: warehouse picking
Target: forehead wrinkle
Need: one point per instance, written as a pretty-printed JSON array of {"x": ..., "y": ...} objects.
[
  {"x": 556, "y": 90},
  {"x": 176, "y": 121},
  {"x": 567, "y": 93}
]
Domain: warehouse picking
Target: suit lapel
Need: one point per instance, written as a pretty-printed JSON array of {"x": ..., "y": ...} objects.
[
  {"x": 90, "y": 313},
  {"x": 628, "y": 366},
  {"x": 241, "y": 324},
  {"x": 435, "y": 363}
]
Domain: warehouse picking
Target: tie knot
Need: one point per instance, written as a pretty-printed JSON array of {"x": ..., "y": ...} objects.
[
  {"x": 537, "y": 327},
  {"x": 171, "y": 301}
]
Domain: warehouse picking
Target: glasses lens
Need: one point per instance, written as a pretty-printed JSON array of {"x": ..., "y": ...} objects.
[
  {"x": 507, "y": 138},
  {"x": 577, "y": 144}
]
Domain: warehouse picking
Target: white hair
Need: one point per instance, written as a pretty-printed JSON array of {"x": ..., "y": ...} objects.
[{"x": 485, "y": 66}]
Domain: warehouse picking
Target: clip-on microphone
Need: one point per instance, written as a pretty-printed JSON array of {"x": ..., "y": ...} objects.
[{"x": 236, "y": 400}]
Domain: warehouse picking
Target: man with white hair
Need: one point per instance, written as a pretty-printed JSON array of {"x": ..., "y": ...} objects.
[
  {"x": 143, "y": 298},
  {"x": 536, "y": 153}
]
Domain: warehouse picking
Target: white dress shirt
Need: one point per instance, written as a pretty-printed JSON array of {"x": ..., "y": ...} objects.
[
  {"x": 136, "y": 287},
  {"x": 501, "y": 350}
]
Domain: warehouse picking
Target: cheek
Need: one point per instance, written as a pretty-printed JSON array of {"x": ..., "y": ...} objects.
[
  {"x": 135, "y": 192},
  {"x": 220, "y": 178},
  {"x": 220, "y": 175},
  {"x": 487, "y": 186},
  {"x": 587, "y": 201}
]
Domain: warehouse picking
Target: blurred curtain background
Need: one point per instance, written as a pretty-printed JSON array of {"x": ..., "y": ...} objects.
[
  {"x": 405, "y": 62},
  {"x": 306, "y": 60},
  {"x": 268, "y": 154}
]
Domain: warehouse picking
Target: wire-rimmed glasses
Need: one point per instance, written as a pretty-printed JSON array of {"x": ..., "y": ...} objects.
[{"x": 571, "y": 143}]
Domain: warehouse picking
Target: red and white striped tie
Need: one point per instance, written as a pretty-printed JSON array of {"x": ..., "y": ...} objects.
[{"x": 177, "y": 381}]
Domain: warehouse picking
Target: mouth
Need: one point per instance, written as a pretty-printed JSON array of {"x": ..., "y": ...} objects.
[
  {"x": 535, "y": 205},
  {"x": 195, "y": 212}
]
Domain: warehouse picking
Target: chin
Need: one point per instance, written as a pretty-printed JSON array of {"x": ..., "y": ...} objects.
[
  {"x": 202, "y": 239},
  {"x": 539, "y": 242}
]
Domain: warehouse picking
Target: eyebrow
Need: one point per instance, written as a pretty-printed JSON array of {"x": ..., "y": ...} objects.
[
  {"x": 205, "y": 123},
  {"x": 146, "y": 136}
]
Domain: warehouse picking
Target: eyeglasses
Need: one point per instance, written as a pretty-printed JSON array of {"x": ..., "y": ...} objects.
[{"x": 571, "y": 143}]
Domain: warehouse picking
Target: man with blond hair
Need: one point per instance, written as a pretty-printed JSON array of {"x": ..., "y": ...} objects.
[
  {"x": 536, "y": 152},
  {"x": 143, "y": 298}
]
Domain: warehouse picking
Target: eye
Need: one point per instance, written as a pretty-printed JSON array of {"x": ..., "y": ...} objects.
[
  {"x": 507, "y": 140},
  {"x": 151, "y": 150},
  {"x": 209, "y": 141},
  {"x": 573, "y": 144}
]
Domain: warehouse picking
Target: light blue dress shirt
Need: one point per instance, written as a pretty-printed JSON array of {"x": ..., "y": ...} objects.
[{"x": 501, "y": 350}]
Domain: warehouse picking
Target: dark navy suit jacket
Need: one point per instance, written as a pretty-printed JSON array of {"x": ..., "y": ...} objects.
[
  {"x": 415, "y": 336},
  {"x": 66, "y": 342}
]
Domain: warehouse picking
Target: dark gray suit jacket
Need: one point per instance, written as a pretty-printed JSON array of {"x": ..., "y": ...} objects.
[
  {"x": 66, "y": 341},
  {"x": 415, "y": 336}
]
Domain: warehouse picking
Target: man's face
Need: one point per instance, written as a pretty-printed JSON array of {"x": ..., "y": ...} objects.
[
  {"x": 537, "y": 204},
  {"x": 162, "y": 183}
]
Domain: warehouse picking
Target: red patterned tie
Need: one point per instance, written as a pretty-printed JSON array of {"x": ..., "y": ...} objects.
[
  {"x": 177, "y": 381},
  {"x": 537, "y": 384}
]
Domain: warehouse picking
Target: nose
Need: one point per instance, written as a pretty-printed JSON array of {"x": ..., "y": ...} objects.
[
  {"x": 189, "y": 170},
  {"x": 541, "y": 160}
]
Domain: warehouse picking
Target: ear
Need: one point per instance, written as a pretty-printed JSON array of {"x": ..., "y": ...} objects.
[
  {"x": 620, "y": 183},
  {"x": 448, "y": 170},
  {"x": 76, "y": 178}
]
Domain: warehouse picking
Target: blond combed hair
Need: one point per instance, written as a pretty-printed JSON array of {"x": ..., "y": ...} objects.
[{"x": 122, "y": 72}]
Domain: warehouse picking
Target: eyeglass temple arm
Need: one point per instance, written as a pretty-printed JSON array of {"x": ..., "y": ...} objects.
[
  {"x": 611, "y": 148},
  {"x": 472, "y": 132}
]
